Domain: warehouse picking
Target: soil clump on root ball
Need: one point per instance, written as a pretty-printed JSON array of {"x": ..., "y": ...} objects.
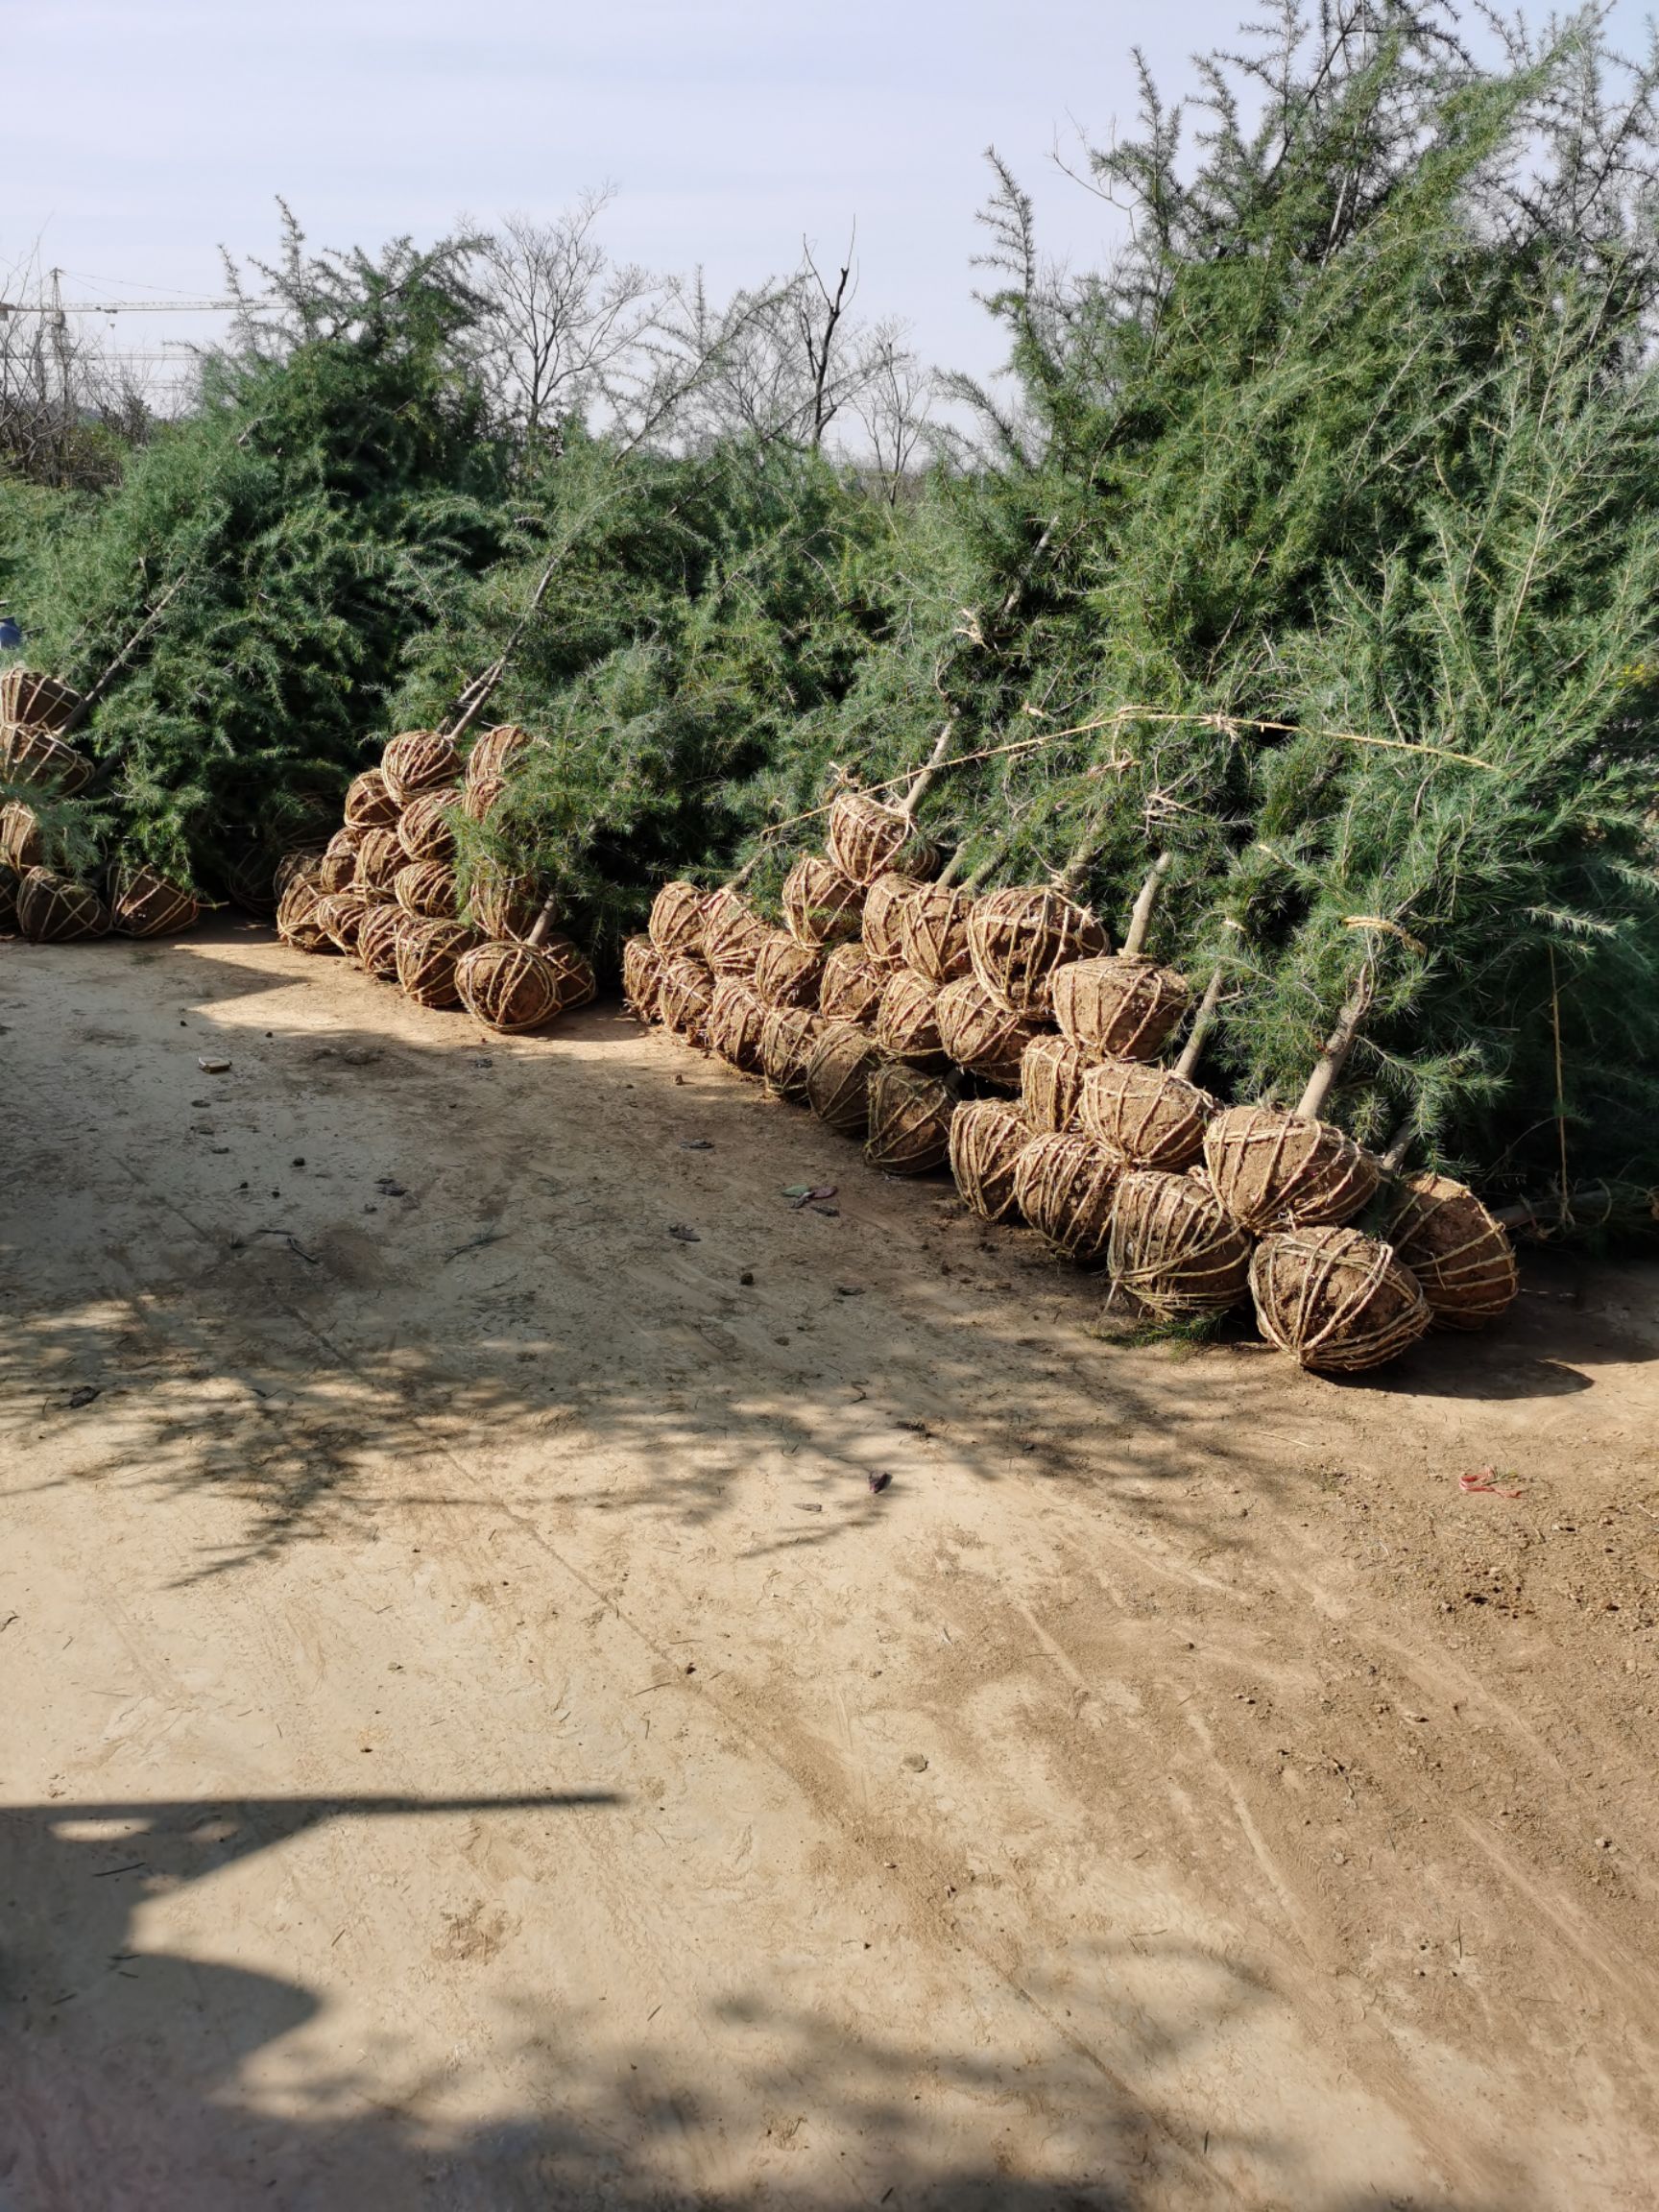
[{"x": 1336, "y": 1300}]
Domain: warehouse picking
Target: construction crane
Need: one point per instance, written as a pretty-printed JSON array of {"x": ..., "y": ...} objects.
[{"x": 57, "y": 307}]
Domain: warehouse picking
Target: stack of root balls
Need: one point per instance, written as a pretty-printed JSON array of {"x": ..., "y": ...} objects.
[
  {"x": 385, "y": 891},
  {"x": 1001, "y": 1036},
  {"x": 40, "y": 899}
]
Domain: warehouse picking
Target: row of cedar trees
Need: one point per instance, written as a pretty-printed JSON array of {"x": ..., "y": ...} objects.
[{"x": 1002, "y": 1034}]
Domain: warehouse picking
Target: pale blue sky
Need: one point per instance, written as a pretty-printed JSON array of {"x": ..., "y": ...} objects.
[{"x": 140, "y": 134}]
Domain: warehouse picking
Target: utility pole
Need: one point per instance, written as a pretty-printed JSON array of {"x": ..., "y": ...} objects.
[{"x": 60, "y": 353}]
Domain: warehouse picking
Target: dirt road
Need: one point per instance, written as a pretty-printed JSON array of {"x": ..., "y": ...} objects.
[{"x": 472, "y": 1736}]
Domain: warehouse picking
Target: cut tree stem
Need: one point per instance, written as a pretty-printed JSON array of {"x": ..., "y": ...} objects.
[
  {"x": 542, "y": 929},
  {"x": 1338, "y": 1045},
  {"x": 1141, "y": 920},
  {"x": 1202, "y": 1022}
]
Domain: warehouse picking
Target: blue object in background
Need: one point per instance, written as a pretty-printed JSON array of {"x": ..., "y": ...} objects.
[{"x": 10, "y": 633}]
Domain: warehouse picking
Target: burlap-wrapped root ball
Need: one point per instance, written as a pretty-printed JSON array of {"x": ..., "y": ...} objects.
[
  {"x": 908, "y": 1021},
  {"x": 34, "y": 757},
  {"x": 428, "y": 888},
  {"x": 980, "y": 1035},
  {"x": 296, "y": 919},
  {"x": 787, "y": 974},
  {"x": 369, "y": 804},
  {"x": 377, "y": 940},
  {"x": 304, "y": 861},
  {"x": 54, "y": 910},
  {"x": 641, "y": 978},
  {"x": 493, "y": 752},
  {"x": 578, "y": 983},
  {"x": 40, "y": 701},
  {"x": 732, "y": 934},
  {"x": 21, "y": 846},
  {"x": 1173, "y": 1247},
  {"x": 851, "y": 985},
  {"x": 677, "y": 917},
  {"x": 1017, "y": 938},
  {"x": 479, "y": 800},
  {"x": 933, "y": 932},
  {"x": 420, "y": 760},
  {"x": 1459, "y": 1254},
  {"x": 987, "y": 1137},
  {"x": 837, "y": 1079},
  {"x": 1273, "y": 1169},
  {"x": 500, "y": 905},
  {"x": 866, "y": 839},
  {"x": 821, "y": 906},
  {"x": 1064, "y": 1184},
  {"x": 380, "y": 855},
  {"x": 787, "y": 1036},
  {"x": 1122, "y": 1006},
  {"x": 1051, "y": 1073},
  {"x": 881, "y": 930},
  {"x": 510, "y": 986},
  {"x": 684, "y": 996},
  {"x": 1146, "y": 1116},
  {"x": 910, "y": 1115},
  {"x": 342, "y": 914},
  {"x": 145, "y": 904},
  {"x": 1339, "y": 1300},
  {"x": 428, "y": 953},
  {"x": 424, "y": 829},
  {"x": 736, "y": 1020}
]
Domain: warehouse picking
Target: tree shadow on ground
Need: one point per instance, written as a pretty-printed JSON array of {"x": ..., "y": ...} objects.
[
  {"x": 378, "y": 1236},
  {"x": 128, "y": 2072}
]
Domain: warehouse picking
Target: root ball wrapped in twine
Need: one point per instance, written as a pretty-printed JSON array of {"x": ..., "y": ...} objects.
[
  {"x": 909, "y": 1120},
  {"x": 787, "y": 973},
  {"x": 980, "y": 1034},
  {"x": 821, "y": 906},
  {"x": 933, "y": 932},
  {"x": 379, "y": 856},
  {"x": 428, "y": 888},
  {"x": 1120, "y": 1005},
  {"x": 420, "y": 760},
  {"x": 908, "y": 1021},
  {"x": 641, "y": 978},
  {"x": 143, "y": 904},
  {"x": 428, "y": 952},
  {"x": 1051, "y": 1073},
  {"x": 377, "y": 940},
  {"x": 735, "y": 1019},
  {"x": 493, "y": 752},
  {"x": 1018, "y": 937},
  {"x": 37, "y": 700},
  {"x": 851, "y": 985},
  {"x": 297, "y": 920},
  {"x": 677, "y": 917},
  {"x": 369, "y": 804},
  {"x": 21, "y": 845},
  {"x": 732, "y": 933},
  {"x": 1146, "y": 1117},
  {"x": 837, "y": 1077},
  {"x": 787, "y": 1036},
  {"x": 37, "y": 759},
  {"x": 509, "y": 986},
  {"x": 685, "y": 994},
  {"x": 881, "y": 931},
  {"x": 1460, "y": 1255},
  {"x": 341, "y": 915},
  {"x": 52, "y": 909},
  {"x": 866, "y": 839},
  {"x": 499, "y": 904},
  {"x": 1064, "y": 1184},
  {"x": 1173, "y": 1247},
  {"x": 424, "y": 829},
  {"x": 1337, "y": 1300},
  {"x": 1274, "y": 1169},
  {"x": 987, "y": 1137}
]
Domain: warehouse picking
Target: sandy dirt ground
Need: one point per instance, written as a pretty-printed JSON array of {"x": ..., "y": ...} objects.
[{"x": 471, "y": 1736}]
